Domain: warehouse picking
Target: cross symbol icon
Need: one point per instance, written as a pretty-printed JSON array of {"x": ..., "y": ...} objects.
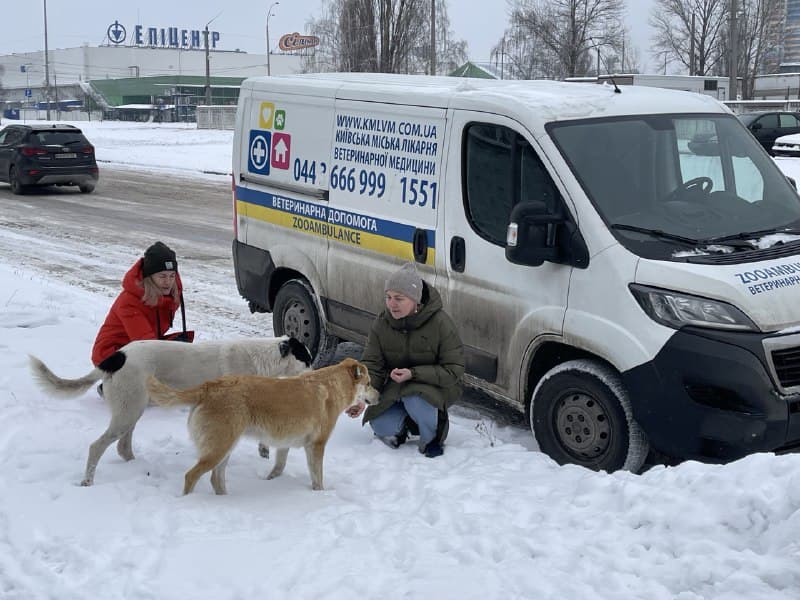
[{"x": 259, "y": 152}]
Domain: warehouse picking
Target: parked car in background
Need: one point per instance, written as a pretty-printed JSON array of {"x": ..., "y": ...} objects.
[
  {"x": 768, "y": 126},
  {"x": 46, "y": 155},
  {"x": 787, "y": 145}
]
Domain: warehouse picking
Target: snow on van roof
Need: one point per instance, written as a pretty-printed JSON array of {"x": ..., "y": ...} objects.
[{"x": 534, "y": 102}]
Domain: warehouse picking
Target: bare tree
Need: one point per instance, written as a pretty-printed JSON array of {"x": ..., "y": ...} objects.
[
  {"x": 760, "y": 39},
  {"x": 357, "y": 36},
  {"x": 672, "y": 21},
  {"x": 520, "y": 54},
  {"x": 389, "y": 36},
  {"x": 569, "y": 30},
  {"x": 329, "y": 53}
]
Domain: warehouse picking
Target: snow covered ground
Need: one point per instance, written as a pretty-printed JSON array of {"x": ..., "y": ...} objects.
[{"x": 491, "y": 519}]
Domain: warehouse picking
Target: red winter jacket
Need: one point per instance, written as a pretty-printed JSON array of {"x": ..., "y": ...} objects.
[{"x": 131, "y": 319}]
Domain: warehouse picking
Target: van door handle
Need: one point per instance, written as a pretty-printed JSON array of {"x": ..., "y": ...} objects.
[
  {"x": 458, "y": 254},
  {"x": 420, "y": 245}
]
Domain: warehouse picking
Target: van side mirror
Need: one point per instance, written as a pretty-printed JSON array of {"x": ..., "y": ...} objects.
[{"x": 537, "y": 234}]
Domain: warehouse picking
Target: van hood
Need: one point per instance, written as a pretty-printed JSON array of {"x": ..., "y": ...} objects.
[{"x": 766, "y": 291}]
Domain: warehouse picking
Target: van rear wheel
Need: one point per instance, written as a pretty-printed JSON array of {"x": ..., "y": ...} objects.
[
  {"x": 580, "y": 413},
  {"x": 296, "y": 314}
]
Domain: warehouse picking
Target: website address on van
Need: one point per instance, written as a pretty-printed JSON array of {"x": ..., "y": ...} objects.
[{"x": 366, "y": 123}]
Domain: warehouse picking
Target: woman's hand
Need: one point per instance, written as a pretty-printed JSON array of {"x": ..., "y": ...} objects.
[{"x": 400, "y": 375}]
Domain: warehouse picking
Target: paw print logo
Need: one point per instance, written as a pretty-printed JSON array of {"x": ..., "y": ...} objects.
[{"x": 280, "y": 119}]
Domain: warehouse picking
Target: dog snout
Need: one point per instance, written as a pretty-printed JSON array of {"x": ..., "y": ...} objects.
[{"x": 370, "y": 395}]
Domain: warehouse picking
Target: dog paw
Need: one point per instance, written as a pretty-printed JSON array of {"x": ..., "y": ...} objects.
[{"x": 86, "y": 482}]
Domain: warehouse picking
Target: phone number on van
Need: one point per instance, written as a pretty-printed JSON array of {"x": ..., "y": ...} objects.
[{"x": 419, "y": 192}]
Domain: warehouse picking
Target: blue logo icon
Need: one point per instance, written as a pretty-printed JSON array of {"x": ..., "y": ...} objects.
[
  {"x": 259, "y": 151},
  {"x": 116, "y": 33}
]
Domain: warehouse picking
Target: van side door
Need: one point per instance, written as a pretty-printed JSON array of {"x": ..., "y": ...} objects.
[
  {"x": 384, "y": 173},
  {"x": 499, "y": 307}
]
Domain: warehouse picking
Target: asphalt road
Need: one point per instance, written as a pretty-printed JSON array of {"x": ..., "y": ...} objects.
[{"x": 83, "y": 238}]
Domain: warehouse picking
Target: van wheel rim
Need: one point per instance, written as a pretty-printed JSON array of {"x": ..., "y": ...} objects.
[
  {"x": 297, "y": 323},
  {"x": 583, "y": 426}
]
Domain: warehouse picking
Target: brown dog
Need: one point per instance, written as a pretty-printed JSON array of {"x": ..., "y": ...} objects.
[{"x": 283, "y": 412}]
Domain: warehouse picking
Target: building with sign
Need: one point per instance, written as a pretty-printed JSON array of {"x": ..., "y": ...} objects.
[{"x": 141, "y": 70}]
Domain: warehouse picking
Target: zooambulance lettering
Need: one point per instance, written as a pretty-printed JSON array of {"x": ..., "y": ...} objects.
[
  {"x": 771, "y": 278},
  {"x": 387, "y": 237}
]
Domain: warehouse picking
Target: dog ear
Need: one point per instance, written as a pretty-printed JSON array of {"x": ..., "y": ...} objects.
[
  {"x": 299, "y": 351},
  {"x": 284, "y": 348},
  {"x": 357, "y": 371}
]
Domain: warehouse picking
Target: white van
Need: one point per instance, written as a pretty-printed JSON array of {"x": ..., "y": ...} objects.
[{"x": 623, "y": 264}]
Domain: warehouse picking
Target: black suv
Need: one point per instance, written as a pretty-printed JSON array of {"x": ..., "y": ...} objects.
[
  {"x": 768, "y": 126},
  {"x": 46, "y": 155}
]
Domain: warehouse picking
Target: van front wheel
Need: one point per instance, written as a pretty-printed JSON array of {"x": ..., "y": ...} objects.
[
  {"x": 296, "y": 314},
  {"x": 580, "y": 413}
]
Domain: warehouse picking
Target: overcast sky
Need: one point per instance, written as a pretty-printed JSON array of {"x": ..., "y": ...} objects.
[{"x": 241, "y": 23}]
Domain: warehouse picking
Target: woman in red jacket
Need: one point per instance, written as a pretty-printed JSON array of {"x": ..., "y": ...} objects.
[{"x": 144, "y": 310}]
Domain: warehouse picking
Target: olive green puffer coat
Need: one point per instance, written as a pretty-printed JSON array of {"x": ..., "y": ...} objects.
[{"x": 426, "y": 342}]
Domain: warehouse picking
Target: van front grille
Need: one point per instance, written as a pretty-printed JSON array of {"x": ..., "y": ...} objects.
[{"x": 787, "y": 366}]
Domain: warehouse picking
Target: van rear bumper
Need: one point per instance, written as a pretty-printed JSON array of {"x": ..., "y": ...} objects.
[
  {"x": 253, "y": 268},
  {"x": 710, "y": 396}
]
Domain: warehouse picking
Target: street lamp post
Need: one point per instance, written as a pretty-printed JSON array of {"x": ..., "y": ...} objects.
[
  {"x": 269, "y": 14},
  {"x": 46, "y": 64},
  {"x": 734, "y": 44},
  {"x": 598, "y": 61},
  {"x": 596, "y": 46},
  {"x": 208, "y": 64}
]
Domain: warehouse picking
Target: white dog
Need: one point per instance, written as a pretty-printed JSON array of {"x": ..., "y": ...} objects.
[{"x": 179, "y": 365}]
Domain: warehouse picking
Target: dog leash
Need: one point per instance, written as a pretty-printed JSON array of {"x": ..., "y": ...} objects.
[{"x": 183, "y": 320}]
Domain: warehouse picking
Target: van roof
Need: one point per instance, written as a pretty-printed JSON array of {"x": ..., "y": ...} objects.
[{"x": 530, "y": 101}]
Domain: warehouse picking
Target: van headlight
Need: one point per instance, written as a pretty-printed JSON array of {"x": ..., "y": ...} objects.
[{"x": 676, "y": 310}]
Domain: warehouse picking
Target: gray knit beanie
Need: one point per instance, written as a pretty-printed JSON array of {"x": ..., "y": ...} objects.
[{"x": 407, "y": 281}]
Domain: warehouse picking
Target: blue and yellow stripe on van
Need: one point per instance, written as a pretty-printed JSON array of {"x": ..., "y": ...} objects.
[{"x": 320, "y": 220}]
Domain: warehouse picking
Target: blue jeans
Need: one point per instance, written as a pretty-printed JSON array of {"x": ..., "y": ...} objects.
[{"x": 390, "y": 422}]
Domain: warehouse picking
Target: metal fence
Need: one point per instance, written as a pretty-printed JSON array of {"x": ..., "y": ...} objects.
[
  {"x": 743, "y": 106},
  {"x": 216, "y": 117}
]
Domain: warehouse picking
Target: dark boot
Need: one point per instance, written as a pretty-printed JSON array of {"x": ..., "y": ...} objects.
[
  {"x": 402, "y": 437},
  {"x": 435, "y": 447}
]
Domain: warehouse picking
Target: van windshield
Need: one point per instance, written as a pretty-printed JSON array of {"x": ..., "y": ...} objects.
[{"x": 688, "y": 177}]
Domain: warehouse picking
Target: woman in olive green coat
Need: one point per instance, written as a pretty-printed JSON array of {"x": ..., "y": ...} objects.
[{"x": 416, "y": 361}]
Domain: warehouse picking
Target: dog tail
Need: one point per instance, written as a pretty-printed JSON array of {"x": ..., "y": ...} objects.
[
  {"x": 58, "y": 386},
  {"x": 163, "y": 395}
]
